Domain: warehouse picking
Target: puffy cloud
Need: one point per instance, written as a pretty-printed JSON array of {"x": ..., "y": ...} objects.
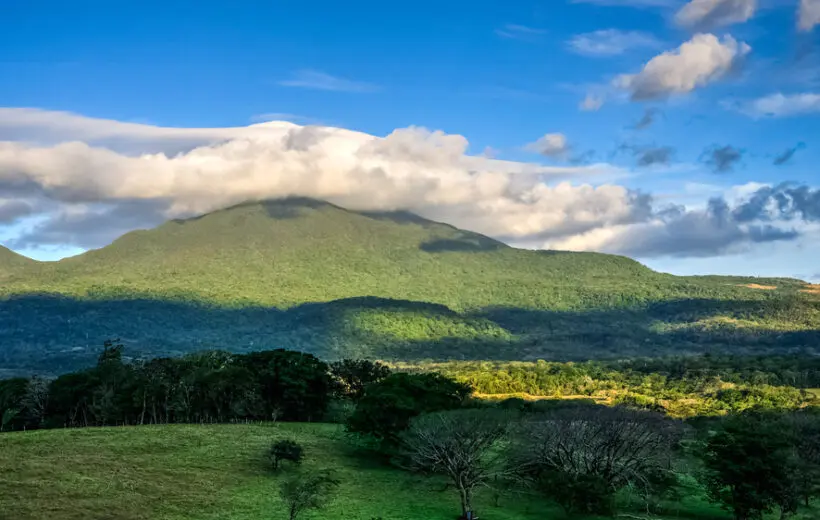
[
  {"x": 722, "y": 159},
  {"x": 708, "y": 14},
  {"x": 610, "y": 42},
  {"x": 679, "y": 233},
  {"x": 808, "y": 14},
  {"x": 783, "y": 202},
  {"x": 786, "y": 155},
  {"x": 702, "y": 60},
  {"x": 81, "y": 192},
  {"x": 780, "y": 105},
  {"x": 100, "y": 191},
  {"x": 555, "y": 146}
]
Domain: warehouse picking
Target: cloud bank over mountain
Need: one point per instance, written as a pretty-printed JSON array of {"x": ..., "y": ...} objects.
[{"x": 71, "y": 180}]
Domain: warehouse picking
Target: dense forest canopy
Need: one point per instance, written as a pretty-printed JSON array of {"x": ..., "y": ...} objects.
[{"x": 307, "y": 275}]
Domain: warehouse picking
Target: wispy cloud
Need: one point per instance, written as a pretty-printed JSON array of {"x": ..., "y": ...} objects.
[
  {"x": 519, "y": 32},
  {"x": 282, "y": 116},
  {"x": 591, "y": 103},
  {"x": 778, "y": 105},
  {"x": 648, "y": 119},
  {"x": 786, "y": 155},
  {"x": 631, "y": 3},
  {"x": 722, "y": 159},
  {"x": 709, "y": 14},
  {"x": 318, "y": 80},
  {"x": 611, "y": 42}
]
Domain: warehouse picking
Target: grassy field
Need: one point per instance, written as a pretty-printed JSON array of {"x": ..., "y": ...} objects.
[{"x": 219, "y": 472}]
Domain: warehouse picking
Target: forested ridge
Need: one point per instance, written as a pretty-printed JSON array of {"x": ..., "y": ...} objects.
[{"x": 306, "y": 275}]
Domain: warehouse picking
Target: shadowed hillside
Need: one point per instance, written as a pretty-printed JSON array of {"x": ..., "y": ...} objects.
[{"x": 308, "y": 275}]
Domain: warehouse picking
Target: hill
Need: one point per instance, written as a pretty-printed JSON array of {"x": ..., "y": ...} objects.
[
  {"x": 11, "y": 263},
  {"x": 219, "y": 472},
  {"x": 299, "y": 273}
]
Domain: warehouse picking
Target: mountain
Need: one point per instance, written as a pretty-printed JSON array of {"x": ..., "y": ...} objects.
[
  {"x": 11, "y": 263},
  {"x": 300, "y": 273}
]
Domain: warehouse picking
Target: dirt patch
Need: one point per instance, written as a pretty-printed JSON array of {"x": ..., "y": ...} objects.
[
  {"x": 760, "y": 287},
  {"x": 811, "y": 289}
]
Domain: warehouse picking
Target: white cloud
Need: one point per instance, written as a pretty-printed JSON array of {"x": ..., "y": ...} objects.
[
  {"x": 412, "y": 168},
  {"x": 708, "y": 14},
  {"x": 780, "y": 105},
  {"x": 808, "y": 14},
  {"x": 696, "y": 63},
  {"x": 318, "y": 80},
  {"x": 591, "y": 103},
  {"x": 79, "y": 192},
  {"x": 611, "y": 42},
  {"x": 551, "y": 145}
]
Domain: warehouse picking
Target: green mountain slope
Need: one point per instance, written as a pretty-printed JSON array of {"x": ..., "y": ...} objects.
[
  {"x": 305, "y": 274},
  {"x": 284, "y": 253},
  {"x": 11, "y": 263}
]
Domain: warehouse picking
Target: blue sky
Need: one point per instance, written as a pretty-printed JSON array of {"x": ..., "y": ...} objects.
[{"x": 501, "y": 74}]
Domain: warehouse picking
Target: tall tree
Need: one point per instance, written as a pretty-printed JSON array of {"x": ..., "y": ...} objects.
[
  {"x": 387, "y": 407},
  {"x": 753, "y": 466}
]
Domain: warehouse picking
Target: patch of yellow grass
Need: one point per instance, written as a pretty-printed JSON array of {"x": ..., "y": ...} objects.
[{"x": 759, "y": 287}]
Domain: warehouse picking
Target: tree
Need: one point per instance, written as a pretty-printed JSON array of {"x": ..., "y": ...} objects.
[
  {"x": 464, "y": 445},
  {"x": 754, "y": 465},
  {"x": 285, "y": 450},
  {"x": 307, "y": 491},
  {"x": 36, "y": 400},
  {"x": 294, "y": 386},
  {"x": 351, "y": 376},
  {"x": 581, "y": 457},
  {"x": 386, "y": 408}
]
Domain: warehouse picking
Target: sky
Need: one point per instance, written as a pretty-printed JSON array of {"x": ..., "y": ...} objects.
[{"x": 685, "y": 134}]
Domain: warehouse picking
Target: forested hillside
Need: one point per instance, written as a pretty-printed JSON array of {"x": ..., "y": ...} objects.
[{"x": 308, "y": 275}]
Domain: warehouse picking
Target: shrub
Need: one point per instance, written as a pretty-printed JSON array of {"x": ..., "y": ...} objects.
[{"x": 285, "y": 450}]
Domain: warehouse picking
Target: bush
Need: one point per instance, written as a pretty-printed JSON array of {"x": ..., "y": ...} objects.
[{"x": 285, "y": 450}]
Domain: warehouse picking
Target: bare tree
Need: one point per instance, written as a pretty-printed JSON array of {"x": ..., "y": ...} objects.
[
  {"x": 464, "y": 445},
  {"x": 36, "y": 399},
  {"x": 581, "y": 457}
]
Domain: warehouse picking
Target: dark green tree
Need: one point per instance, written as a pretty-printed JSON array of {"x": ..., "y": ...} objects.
[
  {"x": 752, "y": 466},
  {"x": 351, "y": 376},
  {"x": 287, "y": 450},
  {"x": 386, "y": 408}
]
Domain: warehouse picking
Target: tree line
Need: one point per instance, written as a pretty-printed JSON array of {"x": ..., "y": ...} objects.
[
  {"x": 206, "y": 387},
  {"x": 679, "y": 386}
]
